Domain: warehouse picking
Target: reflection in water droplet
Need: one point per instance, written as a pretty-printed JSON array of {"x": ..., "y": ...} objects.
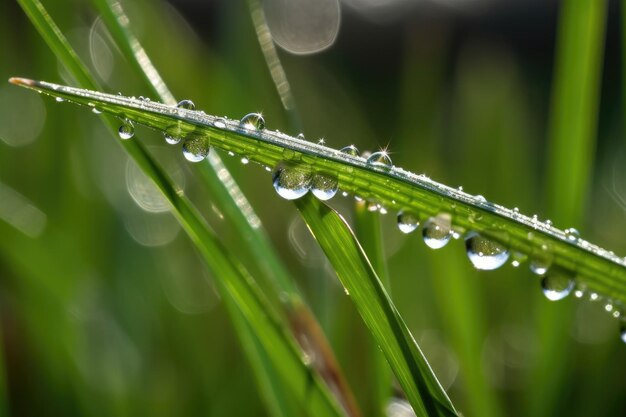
[
  {"x": 253, "y": 121},
  {"x": 324, "y": 186},
  {"x": 126, "y": 130},
  {"x": 196, "y": 148},
  {"x": 407, "y": 221},
  {"x": 292, "y": 182},
  {"x": 350, "y": 150},
  {"x": 436, "y": 231},
  {"x": 557, "y": 285},
  {"x": 540, "y": 265},
  {"x": 186, "y": 104},
  {"x": 380, "y": 160},
  {"x": 484, "y": 253}
]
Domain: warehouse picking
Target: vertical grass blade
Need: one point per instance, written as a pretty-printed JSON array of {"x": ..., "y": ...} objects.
[{"x": 420, "y": 385}]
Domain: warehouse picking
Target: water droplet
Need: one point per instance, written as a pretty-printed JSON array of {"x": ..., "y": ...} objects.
[
  {"x": 350, "y": 150},
  {"x": 300, "y": 136},
  {"x": 95, "y": 110},
  {"x": 549, "y": 223},
  {"x": 195, "y": 148},
  {"x": 344, "y": 193},
  {"x": 186, "y": 104},
  {"x": 557, "y": 285},
  {"x": 321, "y": 141},
  {"x": 608, "y": 307},
  {"x": 291, "y": 182},
  {"x": 372, "y": 206},
  {"x": 436, "y": 231},
  {"x": 172, "y": 140},
  {"x": 59, "y": 99},
  {"x": 324, "y": 186},
  {"x": 480, "y": 198},
  {"x": 253, "y": 121},
  {"x": 572, "y": 234},
  {"x": 518, "y": 258},
  {"x": 594, "y": 296},
  {"x": 540, "y": 265},
  {"x": 579, "y": 293},
  {"x": 126, "y": 130},
  {"x": 382, "y": 210},
  {"x": 219, "y": 123},
  {"x": 484, "y": 253},
  {"x": 245, "y": 160},
  {"x": 407, "y": 221},
  {"x": 380, "y": 160}
]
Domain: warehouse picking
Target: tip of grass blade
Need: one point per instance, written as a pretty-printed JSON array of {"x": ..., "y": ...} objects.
[{"x": 22, "y": 81}]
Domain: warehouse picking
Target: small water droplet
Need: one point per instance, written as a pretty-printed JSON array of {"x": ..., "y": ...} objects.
[
  {"x": 95, "y": 110},
  {"x": 382, "y": 210},
  {"x": 59, "y": 99},
  {"x": 219, "y": 123},
  {"x": 408, "y": 221},
  {"x": 126, "y": 130},
  {"x": 436, "y": 231},
  {"x": 572, "y": 234},
  {"x": 324, "y": 186},
  {"x": 460, "y": 188},
  {"x": 557, "y": 285},
  {"x": 292, "y": 182},
  {"x": 245, "y": 160},
  {"x": 358, "y": 198},
  {"x": 622, "y": 331},
  {"x": 231, "y": 153},
  {"x": 186, "y": 104},
  {"x": 608, "y": 307},
  {"x": 300, "y": 136},
  {"x": 549, "y": 223},
  {"x": 518, "y": 258},
  {"x": 253, "y": 121},
  {"x": 195, "y": 148},
  {"x": 594, "y": 296},
  {"x": 321, "y": 141},
  {"x": 480, "y": 198},
  {"x": 516, "y": 210},
  {"x": 344, "y": 193},
  {"x": 350, "y": 150},
  {"x": 372, "y": 206},
  {"x": 484, "y": 253},
  {"x": 616, "y": 314},
  {"x": 380, "y": 160}
]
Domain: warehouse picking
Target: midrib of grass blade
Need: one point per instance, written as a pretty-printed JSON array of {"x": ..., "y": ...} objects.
[
  {"x": 237, "y": 210},
  {"x": 237, "y": 286},
  {"x": 600, "y": 270},
  {"x": 369, "y": 234},
  {"x": 571, "y": 146},
  {"x": 420, "y": 385}
]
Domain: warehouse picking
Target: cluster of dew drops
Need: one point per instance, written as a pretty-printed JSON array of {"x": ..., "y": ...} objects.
[{"x": 294, "y": 181}]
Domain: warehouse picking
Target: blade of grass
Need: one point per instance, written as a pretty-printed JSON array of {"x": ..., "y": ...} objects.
[
  {"x": 237, "y": 286},
  {"x": 571, "y": 149},
  {"x": 237, "y": 210},
  {"x": 420, "y": 385},
  {"x": 600, "y": 270},
  {"x": 369, "y": 234}
]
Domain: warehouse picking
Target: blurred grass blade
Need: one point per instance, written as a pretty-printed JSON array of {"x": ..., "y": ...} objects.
[
  {"x": 237, "y": 210},
  {"x": 599, "y": 269},
  {"x": 235, "y": 284},
  {"x": 369, "y": 233},
  {"x": 571, "y": 150},
  {"x": 420, "y": 385}
]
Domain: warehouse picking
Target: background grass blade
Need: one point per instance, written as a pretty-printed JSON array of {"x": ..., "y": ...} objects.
[
  {"x": 376, "y": 308},
  {"x": 235, "y": 283},
  {"x": 598, "y": 269}
]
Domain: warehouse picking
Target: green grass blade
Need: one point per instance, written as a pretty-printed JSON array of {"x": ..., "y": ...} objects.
[
  {"x": 235, "y": 284},
  {"x": 376, "y": 308},
  {"x": 600, "y": 270}
]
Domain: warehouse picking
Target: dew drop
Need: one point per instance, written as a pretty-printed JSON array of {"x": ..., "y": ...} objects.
[
  {"x": 557, "y": 285},
  {"x": 572, "y": 234},
  {"x": 321, "y": 141},
  {"x": 484, "y": 253},
  {"x": 196, "y": 148},
  {"x": 219, "y": 123},
  {"x": 380, "y": 160},
  {"x": 372, "y": 206},
  {"x": 95, "y": 110},
  {"x": 407, "y": 221},
  {"x": 350, "y": 150},
  {"x": 253, "y": 121},
  {"x": 324, "y": 186},
  {"x": 540, "y": 266},
  {"x": 291, "y": 182},
  {"x": 300, "y": 136},
  {"x": 126, "y": 130},
  {"x": 480, "y": 198},
  {"x": 186, "y": 104},
  {"x": 436, "y": 232},
  {"x": 622, "y": 331},
  {"x": 59, "y": 99},
  {"x": 172, "y": 140},
  {"x": 245, "y": 160}
]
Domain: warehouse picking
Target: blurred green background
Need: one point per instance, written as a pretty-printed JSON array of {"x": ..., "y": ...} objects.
[{"x": 105, "y": 307}]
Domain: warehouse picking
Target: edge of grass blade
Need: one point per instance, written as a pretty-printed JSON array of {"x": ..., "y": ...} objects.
[
  {"x": 355, "y": 272},
  {"x": 235, "y": 284}
]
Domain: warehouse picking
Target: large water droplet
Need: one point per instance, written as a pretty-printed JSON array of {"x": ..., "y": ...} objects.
[
  {"x": 186, "y": 104},
  {"x": 350, "y": 150},
  {"x": 557, "y": 285},
  {"x": 540, "y": 266},
  {"x": 292, "y": 182},
  {"x": 407, "y": 221},
  {"x": 324, "y": 186},
  {"x": 380, "y": 160},
  {"x": 126, "y": 130},
  {"x": 253, "y": 121},
  {"x": 196, "y": 148},
  {"x": 485, "y": 253},
  {"x": 436, "y": 231}
]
